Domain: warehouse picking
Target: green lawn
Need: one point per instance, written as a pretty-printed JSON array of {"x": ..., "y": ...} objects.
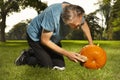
[{"x": 10, "y": 50}]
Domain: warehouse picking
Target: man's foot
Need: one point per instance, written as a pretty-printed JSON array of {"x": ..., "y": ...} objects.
[{"x": 21, "y": 60}]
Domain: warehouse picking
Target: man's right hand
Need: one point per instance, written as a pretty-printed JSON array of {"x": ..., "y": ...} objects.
[{"x": 76, "y": 57}]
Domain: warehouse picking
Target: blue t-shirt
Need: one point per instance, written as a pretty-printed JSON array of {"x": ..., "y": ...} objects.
[{"x": 49, "y": 20}]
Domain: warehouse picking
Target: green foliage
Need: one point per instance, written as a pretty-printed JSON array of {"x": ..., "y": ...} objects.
[
  {"x": 105, "y": 10},
  {"x": 115, "y": 19},
  {"x": 6, "y": 7},
  {"x": 9, "y": 6},
  {"x": 116, "y": 34},
  {"x": 11, "y": 50},
  {"x": 17, "y": 32},
  {"x": 116, "y": 14},
  {"x": 95, "y": 28},
  {"x": 110, "y": 9},
  {"x": 36, "y": 4},
  {"x": 76, "y": 35}
]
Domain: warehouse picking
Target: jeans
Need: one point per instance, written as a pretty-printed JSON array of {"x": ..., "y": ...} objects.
[{"x": 44, "y": 56}]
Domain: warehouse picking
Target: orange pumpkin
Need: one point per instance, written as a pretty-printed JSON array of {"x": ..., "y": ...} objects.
[{"x": 96, "y": 56}]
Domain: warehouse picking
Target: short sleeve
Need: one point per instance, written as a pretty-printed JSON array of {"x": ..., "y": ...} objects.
[{"x": 48, "y": 21}]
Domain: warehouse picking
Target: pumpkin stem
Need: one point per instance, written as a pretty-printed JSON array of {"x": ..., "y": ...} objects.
[{"x": 98, "y": 44}]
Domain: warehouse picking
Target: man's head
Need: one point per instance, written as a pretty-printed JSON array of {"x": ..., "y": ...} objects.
[{"x": 72, "y": 15}]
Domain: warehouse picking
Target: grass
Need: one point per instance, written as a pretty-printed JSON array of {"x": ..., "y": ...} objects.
[{"x": 10, "y": 50}]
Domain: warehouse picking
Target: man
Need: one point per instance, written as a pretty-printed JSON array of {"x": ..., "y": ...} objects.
[{"x": 45, "y": 32}]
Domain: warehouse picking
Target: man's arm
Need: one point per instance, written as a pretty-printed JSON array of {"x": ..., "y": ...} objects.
[
  {"x": 45, "y": 40},
  {"x": 86, "y": 30}
]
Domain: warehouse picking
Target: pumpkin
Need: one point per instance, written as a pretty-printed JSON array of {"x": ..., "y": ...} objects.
[{"x": 96, "y": 56}]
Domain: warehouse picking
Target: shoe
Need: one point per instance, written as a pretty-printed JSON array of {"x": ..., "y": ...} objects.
[
  {"x": 58, "y": 68},
  {"x": 21, "y": 60}
]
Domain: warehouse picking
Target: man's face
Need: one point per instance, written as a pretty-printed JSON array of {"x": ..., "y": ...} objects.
[{"x": 75, "y": 23}]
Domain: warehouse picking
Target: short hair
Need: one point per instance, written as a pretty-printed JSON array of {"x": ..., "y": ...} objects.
[{"x": 71, "y": 11}]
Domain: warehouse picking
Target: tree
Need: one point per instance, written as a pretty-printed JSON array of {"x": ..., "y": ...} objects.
[
  {"x": 36, "y": 4},
  {"x": 115, "y": 20},
  {"x": 18, "y": 32},
  {"x": 105, "y": 11},
  {"x": 6, "y": 7},
  {"x": 9, "y": 6},
  {"x": 95, "y": 28},
  {"x": 76, "y": 35}
]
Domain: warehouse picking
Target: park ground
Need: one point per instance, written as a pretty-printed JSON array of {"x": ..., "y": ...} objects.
[{"x": 11, "y": 49}]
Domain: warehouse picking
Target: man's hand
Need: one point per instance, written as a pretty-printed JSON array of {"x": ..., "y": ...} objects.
[
  {"x": 77, "y": 57},
  {"x": 82, "y": 58}
]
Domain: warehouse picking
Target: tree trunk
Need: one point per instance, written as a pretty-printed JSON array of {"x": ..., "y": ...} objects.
[
  {"x": 2, "y": 34},
  {"x": 2, "y": 27}
]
